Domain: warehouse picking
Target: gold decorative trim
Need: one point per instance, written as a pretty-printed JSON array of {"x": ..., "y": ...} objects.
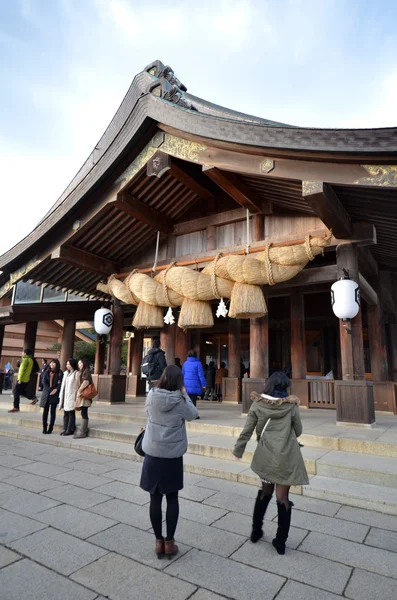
[
  {"x": 267, "y": 165},
  {"x": 380, "y": 175}
]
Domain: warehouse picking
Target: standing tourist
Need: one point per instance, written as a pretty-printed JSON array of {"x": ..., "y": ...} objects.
[
  {"x": 210, "y": 381},
  {"x": 52, "y": 381},
  {"x": 220, "y": 374},
  {"x": 67, "y": 398},
  {"x": 24, "y": 373},
  {"x": 44, "y": 365},
  {"x": 83, "y": 404},
  {"x": 164, "y": 443},
  {"x": 154, "y": 363},
  {"x": 277, "y": 460},
  {"x": 193, "y": 375}
]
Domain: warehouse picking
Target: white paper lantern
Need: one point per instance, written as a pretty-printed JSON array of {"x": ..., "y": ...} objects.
[
  {"x": 345, "y": 297},
  {"x": 103, "y": 321}
]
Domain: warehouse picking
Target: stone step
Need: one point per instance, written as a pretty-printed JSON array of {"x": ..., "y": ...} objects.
[
  {"x": 364, "y": 468},
  {"x": 363, "y": 495},
  {"x": 353, "y": 493}
]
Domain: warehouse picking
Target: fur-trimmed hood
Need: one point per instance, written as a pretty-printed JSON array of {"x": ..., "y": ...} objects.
[{"x": 274, "y": 401}]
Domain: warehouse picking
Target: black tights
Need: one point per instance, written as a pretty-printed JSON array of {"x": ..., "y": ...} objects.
[
  {"x": 171, "y": 516},
  {"x": 282, "y": 492},
  {"x": 53, "y": 408},
  {"x": 84, "y": 412}
]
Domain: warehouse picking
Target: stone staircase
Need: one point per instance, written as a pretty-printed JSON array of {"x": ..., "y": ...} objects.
[{"x": 355, "y": 472}]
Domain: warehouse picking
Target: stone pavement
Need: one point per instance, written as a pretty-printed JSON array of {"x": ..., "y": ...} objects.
[{"x": 75, "y": 525}]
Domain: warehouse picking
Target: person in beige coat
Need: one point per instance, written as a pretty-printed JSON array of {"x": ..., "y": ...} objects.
[
  {"x": 277, "y": 460},
  {"x": 67, "y": 397},
  {"x": 83, "y": 404}
]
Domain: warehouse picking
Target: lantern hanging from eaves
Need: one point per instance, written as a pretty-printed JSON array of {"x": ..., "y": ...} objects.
[
  {"x": 103, "y": 321},
  {"x": 345, "y": 298}
]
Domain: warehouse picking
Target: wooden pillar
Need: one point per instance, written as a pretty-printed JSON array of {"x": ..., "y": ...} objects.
[
  {"x": 116, "y": 339},
  {"x": 234, "y": 352},
  {"x": 69, "y": 331},
  {"x": 100, "y": 355},
  {"x": 211, "y": 237},
  {"x": 351, "y": 344},
  {"x": 2, "y": 327},
  {"x": 136, "y": 352},
  {"x": 30, "y": 336},
  {"x": 377, "y": 345},
  {"x": 392, "y": 328},
  {"x": 182, "y": 343},
  {"x": 167, "y": 340},
  {"x": 298, "y": 341},
  {"x": 259, "y": 348},
  {"x": 258, "y": 228}
]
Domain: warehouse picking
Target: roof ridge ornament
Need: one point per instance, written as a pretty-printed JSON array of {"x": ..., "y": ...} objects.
[{"x": 168, "y": 86}]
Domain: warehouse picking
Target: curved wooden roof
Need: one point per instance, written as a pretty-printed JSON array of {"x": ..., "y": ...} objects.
[{"x": 154, "y": 101}]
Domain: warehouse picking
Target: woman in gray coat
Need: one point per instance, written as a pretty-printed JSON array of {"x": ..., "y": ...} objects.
[
  {"x": 164, "y": 443},
  {"x": 277, "y": 460}
]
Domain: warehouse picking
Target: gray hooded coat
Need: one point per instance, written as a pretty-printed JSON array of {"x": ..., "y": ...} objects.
[
  {"x": 165, "y": 435},
  {"x": 277, "y": 457}
]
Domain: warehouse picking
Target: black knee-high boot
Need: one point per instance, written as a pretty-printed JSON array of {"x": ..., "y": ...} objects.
[
  {"x": 65, "y": 422},
  {"x": 284, "y": 523},
  {"x": 260, "y": 507}
]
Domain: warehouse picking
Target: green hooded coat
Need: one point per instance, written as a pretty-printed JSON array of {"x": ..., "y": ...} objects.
[{"x": 277, "y": 457}]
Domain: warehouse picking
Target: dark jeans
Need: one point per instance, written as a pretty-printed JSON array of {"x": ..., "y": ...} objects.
[
  {"x": 193, "y": 398},
  {"x": 19, "y": 391},
  {"x": 171, "y": 515},
  {"x": 84, "y": 412},
  {"x": 46, "y": 410},
  {"x": 69, "y": 421}
]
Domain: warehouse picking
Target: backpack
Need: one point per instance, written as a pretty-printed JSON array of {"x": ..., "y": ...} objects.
[
  {"x": 147, "y": 365},
  {"x": 35, "y": 368}
]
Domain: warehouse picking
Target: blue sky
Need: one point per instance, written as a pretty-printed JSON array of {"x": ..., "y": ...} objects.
[{"x": 65, "y": 66}]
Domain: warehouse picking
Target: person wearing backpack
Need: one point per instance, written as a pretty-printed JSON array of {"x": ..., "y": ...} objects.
[
  {"x": 24, "y": 373},
  {"x": 154, "y": 363}
]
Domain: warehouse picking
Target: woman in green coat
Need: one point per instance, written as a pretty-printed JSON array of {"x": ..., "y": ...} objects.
[{"x": 277, "y": 460}]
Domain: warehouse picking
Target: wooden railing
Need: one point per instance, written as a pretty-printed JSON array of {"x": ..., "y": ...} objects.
[{"x": 321, "y": 393}]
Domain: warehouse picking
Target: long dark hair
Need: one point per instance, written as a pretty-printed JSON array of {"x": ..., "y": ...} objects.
[
  {"x": 57, "y": 363},
  {"x": 278, "y": 381},
  {"x": 171, "y": 379},
  {"x": 73, "y": 363}
]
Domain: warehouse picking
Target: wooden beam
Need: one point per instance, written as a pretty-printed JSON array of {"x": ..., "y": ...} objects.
[
  {"x": 327, "y": 206},
  {"x": 85, "y": 260},
  {"x": 142, "y": 212},
  {"x": 224, "y": 218},
  {"x": 235, "y": 188},
  {"x": 192, "y": 178},
  {"x": 367, "y": 292}
]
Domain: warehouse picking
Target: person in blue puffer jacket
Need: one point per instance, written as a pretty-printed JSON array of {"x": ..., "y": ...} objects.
[{"x": 193, "y": 376}]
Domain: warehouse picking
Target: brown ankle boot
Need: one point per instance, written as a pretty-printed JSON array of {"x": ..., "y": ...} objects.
[
  {"x": 170, "y": 548},
  {"x": 160, "y": 548}
]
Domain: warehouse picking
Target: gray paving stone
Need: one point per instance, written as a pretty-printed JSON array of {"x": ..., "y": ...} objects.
[
  {"x": 240, "y": 504},
  {"x": 368, "y": 586},
  {"x": 84, "y": 480},
  {"x": 5, "y": 473},
  {"x": 75, "y": 521},
  {"x": 196, "y": 511},
  {"x": 351, "y": 553},
  {"x": 343, "y": 529},
  {"x": 225, "y": 576},
  {"x": 131, "y": 477},
  {"x": 196, "y": 493},
  {"x": 126, "y": 464},
  {"x": 368, "y": 517},
  {"x": 313, "y": 505},
  {"x": 25, "y": 503},
  {"x": 382, "y": 539},
  {"x": 76, "y": 496},
  {"x": 299, "y": 566},
  {"x": 30, "y": 581},
  {"x": 12, "y": 461},
  {"x": 35, "y": 483},
  {"x": 55, "y": 459},
  {"x": 222, "y": 485},
  {"x": 124, "y": 512},
  {"x": 119, "y": 578},
  {"x": 90, "y": 467},
  {"x": 242, "y": 525},
  {"x": 208, "y": 538},
  {"x": 133, "y": 543},
  {"x": 299, "y": 591},
  {"x": 58, "y": 551},
  {"x": 95, "y": 457},
  {"x": 206, "y": 595},
  {"x": 124, "y": 491},
  {"x": 13, "y": 526},
  {"x": 194, "y": 479},
  {"x": 7, "y": 557},
  {"x": 43, "y": 469},
  {"x": 6, "y": 487}
]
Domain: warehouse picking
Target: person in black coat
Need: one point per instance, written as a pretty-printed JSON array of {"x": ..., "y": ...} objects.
[
  {"x": 52, "y": 381},
  {"x": 210, "y": 381}
]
